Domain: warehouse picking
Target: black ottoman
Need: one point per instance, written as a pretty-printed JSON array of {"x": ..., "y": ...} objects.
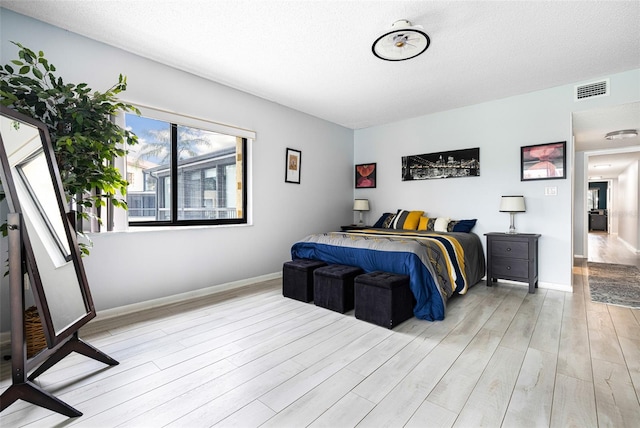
[
  {"x": 333, "y": 287},
  {"x": 383, "y": 298},
  {"x": 297, "y": 278}
]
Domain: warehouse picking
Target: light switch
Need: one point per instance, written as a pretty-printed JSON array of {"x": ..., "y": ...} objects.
[{"x": 551, "y": 191}]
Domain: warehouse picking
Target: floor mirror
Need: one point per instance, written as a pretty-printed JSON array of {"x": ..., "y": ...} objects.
[{"x": 43, "y": 251}]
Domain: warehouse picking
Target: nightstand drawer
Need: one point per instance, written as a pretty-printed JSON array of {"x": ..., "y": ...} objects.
[
  {"x": 513, "y": 256},
  {"x": 510, "y": 268},
  {"x": 516, "y": 249}
]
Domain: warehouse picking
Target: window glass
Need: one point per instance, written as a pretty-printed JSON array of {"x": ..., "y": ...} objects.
[
  {"x": 147, "y": 162},
  {"x": 209, "y": 185}
]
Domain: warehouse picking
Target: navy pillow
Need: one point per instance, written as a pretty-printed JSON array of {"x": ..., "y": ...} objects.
[
  {"x": 381, "y": 220},
  {"x": 464, "y": 225}
]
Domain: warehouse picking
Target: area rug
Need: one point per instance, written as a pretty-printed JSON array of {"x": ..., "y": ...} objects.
[{"x": 614, "y": 284}]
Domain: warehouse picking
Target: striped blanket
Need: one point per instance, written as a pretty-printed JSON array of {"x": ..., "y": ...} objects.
[{"x": 438, "y": 264}]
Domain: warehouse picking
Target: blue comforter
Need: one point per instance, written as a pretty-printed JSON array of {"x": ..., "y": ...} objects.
[{"x": 438, "y": 264}]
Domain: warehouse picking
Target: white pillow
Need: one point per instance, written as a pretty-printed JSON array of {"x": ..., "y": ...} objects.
[{"x": 441, "y": 224}]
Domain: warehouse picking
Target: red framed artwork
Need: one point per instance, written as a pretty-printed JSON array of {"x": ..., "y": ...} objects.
[
  {"x": 543, "y": 161},
  {"x": 366, "y": 176}
]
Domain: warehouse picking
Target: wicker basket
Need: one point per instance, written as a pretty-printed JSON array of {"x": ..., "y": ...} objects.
[{"x": 34, "y": 332}]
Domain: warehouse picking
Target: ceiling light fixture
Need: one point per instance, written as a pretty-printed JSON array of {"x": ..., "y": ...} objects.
[
  {"x": 619, "y": 135},
  {"x": 404, "y": 41}
]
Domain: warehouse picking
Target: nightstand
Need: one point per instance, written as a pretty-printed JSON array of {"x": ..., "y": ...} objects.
[
  {"x": 513, "y": 256},
  {"x": 353, "y": 227}
]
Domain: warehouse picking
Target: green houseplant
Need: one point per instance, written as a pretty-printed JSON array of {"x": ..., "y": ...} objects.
[{"x": 84, "y": 137}]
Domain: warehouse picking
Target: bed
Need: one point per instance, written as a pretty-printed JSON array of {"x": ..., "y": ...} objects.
[{"x": 439, "y": 264}]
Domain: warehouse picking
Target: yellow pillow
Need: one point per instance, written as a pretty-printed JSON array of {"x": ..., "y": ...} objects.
[
  {"x": 411, "y": 223},
  {"x": 407, "y": 220},
  {"x": 424, "y": 221}
]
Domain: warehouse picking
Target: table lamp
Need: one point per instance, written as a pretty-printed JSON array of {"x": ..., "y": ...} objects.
[
  {"x": 361, "y": 205},
  {"x": 512, "y": 205}
]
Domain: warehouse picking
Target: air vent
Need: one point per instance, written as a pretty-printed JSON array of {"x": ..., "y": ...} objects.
[{"x": 592, "y": 90}]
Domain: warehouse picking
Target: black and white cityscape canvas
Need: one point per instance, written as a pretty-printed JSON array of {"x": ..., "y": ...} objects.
[{"x": 454, "y": 163}]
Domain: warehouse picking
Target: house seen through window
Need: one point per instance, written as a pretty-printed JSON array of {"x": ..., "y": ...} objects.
[{"x": 181, "y": 175}]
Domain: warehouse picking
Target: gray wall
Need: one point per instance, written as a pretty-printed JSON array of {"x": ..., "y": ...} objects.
[{"x": 135, "y": 266}]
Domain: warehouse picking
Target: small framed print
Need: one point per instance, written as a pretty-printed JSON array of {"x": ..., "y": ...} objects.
[
  {"x": 293, "y": 161},
  {"x": 366, "y": 176},
  {"x": 543, "y": 161}
]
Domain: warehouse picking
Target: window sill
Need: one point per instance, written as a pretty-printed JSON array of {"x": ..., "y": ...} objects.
[{"x": 142, "y": 229}]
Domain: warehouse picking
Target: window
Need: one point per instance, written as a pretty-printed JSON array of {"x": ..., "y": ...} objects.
[{"x": 184, "y": 175}]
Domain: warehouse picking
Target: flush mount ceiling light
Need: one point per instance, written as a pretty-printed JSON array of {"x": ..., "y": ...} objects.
[
  {"x": 404, "y": 41},
  {"x": 619, "y": 135}
]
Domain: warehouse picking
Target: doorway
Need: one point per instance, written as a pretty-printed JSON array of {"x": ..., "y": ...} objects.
[
  {"x": 607, "y": 206},
  {"x": 598, "y": 205},
  {"x": 605, "y": 229}
]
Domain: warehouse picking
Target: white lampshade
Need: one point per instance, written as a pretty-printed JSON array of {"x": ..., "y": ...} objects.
[
  {"x": 512, "y": 204},
  {"x": 361, "y": 205}
]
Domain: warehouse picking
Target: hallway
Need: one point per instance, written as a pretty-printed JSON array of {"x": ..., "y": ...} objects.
[{"x": 607, "y": 248}]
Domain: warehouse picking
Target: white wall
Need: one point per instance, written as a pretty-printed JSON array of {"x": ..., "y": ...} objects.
[
  {"x": 613, "y": 187},
  {"x": 628, "y": 190},
  {"x": 130, "y": 267},
  {"x": 580, "y": 220},
  {"x": 499, "y": 128}
]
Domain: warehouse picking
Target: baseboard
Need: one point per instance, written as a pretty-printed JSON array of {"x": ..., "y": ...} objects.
[
  {"x": 629, "y": 246},
  {"x": 182, "y": 297},
  {"x": 546, "y": 285},
  {"x": 5, "y": 336},
  {"x": 567, "y": 288}
]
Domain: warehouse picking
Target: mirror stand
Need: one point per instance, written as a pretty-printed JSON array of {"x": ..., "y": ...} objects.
[
  {"x": 22, "y": 388},
  {"x": 74, "y": 344}
]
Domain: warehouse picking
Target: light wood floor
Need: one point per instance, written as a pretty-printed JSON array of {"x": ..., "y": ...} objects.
[
  {"x": 606, "y": 248},
  {"x": 502, "y": 357}
]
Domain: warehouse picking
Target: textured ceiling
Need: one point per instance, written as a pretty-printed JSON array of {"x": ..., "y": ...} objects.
[
  {"x": 609, "y": 166},
  {"x": 589, "y": 129},
  {"x": 315, "y": 56}
]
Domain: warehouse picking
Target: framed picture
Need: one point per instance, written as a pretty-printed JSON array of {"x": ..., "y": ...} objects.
[
  {"x": 293, "y": 160},
  {"x": 543, "y": 161},
  {"x": 366, "y": 176},
  {"x": 449, "y": 164}
]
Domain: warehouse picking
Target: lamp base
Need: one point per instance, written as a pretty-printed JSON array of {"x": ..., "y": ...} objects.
[{"x": 512, "y": 227}]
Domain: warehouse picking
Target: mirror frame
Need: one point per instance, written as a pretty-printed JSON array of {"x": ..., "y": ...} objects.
[{"x": 6, "y": 174}]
